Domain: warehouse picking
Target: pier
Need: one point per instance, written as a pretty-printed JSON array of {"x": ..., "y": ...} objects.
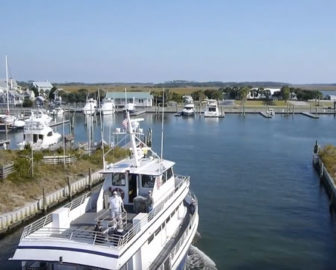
[
  {"x": 314, "y": 116},
  {"x": 59, "y": 123}
]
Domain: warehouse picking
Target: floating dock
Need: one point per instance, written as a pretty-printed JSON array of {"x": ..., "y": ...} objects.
[
  {"x": 136, "y": 113},
  {"x": 266, "y": 115},
  {"x": 59, "y": 123},
  {"x": 310, "y": 115}
]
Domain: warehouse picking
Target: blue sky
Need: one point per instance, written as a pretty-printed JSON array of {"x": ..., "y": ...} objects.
[{"x": 153, "y": 41}]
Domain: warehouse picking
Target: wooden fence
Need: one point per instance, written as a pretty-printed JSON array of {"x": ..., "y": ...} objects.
[
  {"x": 6, "y": 170},
  {"x": 58, "y": 159}
]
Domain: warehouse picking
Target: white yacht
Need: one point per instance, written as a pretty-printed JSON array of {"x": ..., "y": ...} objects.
[
  {"x": 188, "y": 109},
  {"x": 90, "y": 106},
  {"x": 155, "y": 231},
  {"x": 38, "y": 134},
  {"x": 107, "y": 107},
  {"x": 39, "y": 115},
  {"x": 211, "y": 109}
]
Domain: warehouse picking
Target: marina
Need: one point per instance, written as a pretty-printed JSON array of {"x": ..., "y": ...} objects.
[{"x": 286, "y": 153}]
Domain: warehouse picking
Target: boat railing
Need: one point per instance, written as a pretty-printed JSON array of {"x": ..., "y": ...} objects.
[
  {"x": 183, "y": 237},
  {"x": 42, "y": 222},
  {"x": 98, "y": 238}
]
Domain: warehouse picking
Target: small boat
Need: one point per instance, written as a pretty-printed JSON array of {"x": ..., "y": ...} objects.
[
  {"x": 130, "y": 107},
  {"x": 211, "y": 109},
  {"x": 107, "y": 107},
  {"x": 58, "y": 111},
  {"x": 90, "y": 107},
  {"x": 12, "y": 121},
  {"x": 270, "y": 112},
  {"x": 38, "y": 134},
  {"x": 153, "y": 230}
]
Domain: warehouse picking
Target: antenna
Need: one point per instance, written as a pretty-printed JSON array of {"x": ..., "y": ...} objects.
[
  {"x": 101, "y": 132},
  {"x": 163, "y": 100},
  {"x": 7, "y": 86}
]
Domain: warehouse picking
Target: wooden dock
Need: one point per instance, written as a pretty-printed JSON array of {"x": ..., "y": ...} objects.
[
  {"x": 314, "y": 116},
  {"x": 266, "y": 115}
]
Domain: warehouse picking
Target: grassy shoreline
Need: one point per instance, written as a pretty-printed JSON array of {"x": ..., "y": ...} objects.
[
  {"x": 328, "y": 156},
  {"x": 20, "y": 187}
]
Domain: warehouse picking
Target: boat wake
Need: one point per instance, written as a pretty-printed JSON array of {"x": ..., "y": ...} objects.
[{"x": 197, "y": 259}]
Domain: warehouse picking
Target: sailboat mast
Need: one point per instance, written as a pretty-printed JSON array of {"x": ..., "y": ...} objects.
[
  {"x": 163, "y": 101},
  {"x": 7, "y": 85}
]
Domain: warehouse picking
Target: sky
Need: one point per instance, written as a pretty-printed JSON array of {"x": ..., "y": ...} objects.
[{"x": 155, "y": 41}]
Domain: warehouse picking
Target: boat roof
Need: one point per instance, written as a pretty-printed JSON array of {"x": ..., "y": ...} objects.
[{"x": 148, "y": 166}]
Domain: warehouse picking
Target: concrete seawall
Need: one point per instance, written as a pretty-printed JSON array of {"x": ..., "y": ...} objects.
[
  {"x": 326, "y": 179},
  {"x": 13, "y": 219}
]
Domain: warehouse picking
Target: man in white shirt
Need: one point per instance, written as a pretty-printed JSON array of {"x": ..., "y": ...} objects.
[{"x": 116, "y": 206}]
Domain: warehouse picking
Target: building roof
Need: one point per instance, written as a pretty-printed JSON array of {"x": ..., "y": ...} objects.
[
  {"x": 121, "y": 95},
  {"x": 45, "y": 84}
]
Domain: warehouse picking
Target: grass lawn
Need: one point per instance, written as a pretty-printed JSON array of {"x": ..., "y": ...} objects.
[{"x": 20, "y": 188}]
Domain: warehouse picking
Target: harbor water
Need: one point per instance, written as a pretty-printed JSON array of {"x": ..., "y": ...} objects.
[{"x": 261, "y": 204}]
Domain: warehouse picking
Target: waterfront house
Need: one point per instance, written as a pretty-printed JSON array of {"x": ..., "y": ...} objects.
[
  {"x": 43, "y": 87},
  {"x": 139, "y": 99},
  {"x": 254, "y": 93}
]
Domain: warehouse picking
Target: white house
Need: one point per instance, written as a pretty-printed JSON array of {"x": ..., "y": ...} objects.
[
  {"x": 254, "y": 94},
  {"x": 43, "y": 87},
  {"x": 140, "y": 99}
]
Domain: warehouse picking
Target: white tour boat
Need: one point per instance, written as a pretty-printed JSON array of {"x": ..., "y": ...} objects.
[
  {"x": 107, "y": 107},
  {"x": 38, "y": 134},
  {"x": 154, "y": 232},
  {"x": 90, "y": 107},
  {"x": 211, "y": 109}
]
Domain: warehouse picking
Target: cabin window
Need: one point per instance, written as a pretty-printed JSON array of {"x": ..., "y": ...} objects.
[
  {"x": 118, "y": 179},
  {"x": 157, "y": 231},
  {"x": 40, "y": 137},
  {"x": 49, "y": 133},
  {"x": 169, "y": 173},
  {"x": 212, "y": 109},
  {"x": 148, "y": 181},
  {"x": 164, "y": 177},
  {"x": 150, "y": 239}
]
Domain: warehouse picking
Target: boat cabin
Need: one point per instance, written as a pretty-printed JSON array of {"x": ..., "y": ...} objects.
[{"x": 141, "y": 188}]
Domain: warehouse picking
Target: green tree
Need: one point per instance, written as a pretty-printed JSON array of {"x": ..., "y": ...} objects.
[
  {"x": 198, "y": 95},
  {"x": 52, "y": 93},
  {"x": 243, "y": 96},
  {"x": 285, "y": 93},
  {"x": 35, "y": 90}
]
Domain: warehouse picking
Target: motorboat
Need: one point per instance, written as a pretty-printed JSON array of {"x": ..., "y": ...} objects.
[
  {"x": 188, "y": 109},
  {"x": 270, "y": 112},
  {"x": 153, "y": 231},
  {"x": 90, "y": 107},
  {"x": 39, "y": 115},
  {"x": 211, "y": 109},
  {"x": 58, "y": 111},
  {"x": 130, "y": 107},
  {"x": 107, "y": 107},
  {"x": 38, "y": 134},
  {"x": 12, "y": 121}
]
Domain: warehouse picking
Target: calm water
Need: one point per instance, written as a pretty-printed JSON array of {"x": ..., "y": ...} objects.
[{"x": 261, "y": 204}]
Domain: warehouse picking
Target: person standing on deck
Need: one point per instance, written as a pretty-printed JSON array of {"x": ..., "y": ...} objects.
[{"x": 116, "y": 206}]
